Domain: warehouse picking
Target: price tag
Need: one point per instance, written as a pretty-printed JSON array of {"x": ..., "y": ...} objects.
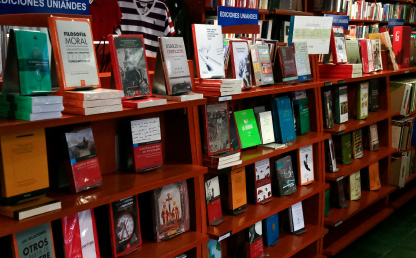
[
  {"x": 327, "y": 83},
  {"x": 407, "y": 71},
  {"x": 340, "y": 178},
  {"x": 341, "y": 81},
  {"x": 338, "y": 223},
  {"x": 227, "y": 235},
  {"x": 225, "y": 98}
]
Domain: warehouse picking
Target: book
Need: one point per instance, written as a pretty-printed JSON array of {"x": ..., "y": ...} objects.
[
  {"x": 338, "y": 193},
  {"x": 303, "y": 66},
  {"x": 373, "y": 96},
  {"x": 73, "y": 49},
  {"x": 386, "y": 45},
  {"x": 93, "y": 94},
  {"x": 398, "y": 170},
  {"x": 234, "y": 137},
  {"x": 22, "y": 152},
  {"x": 301, "y": 109},
  {"x": 37, "y": 116},
  {"x": 401, "y": 46},
  {"x": 306, "y": 171},
  {"x": 36, "y": 101},
  {"x": 296, "y": 219},
  {"x": 284, "y": 127},
  {"x": 213, "y": 199},
  {"x": 27, "y": 108},
  {"x": 373, "y": 141},
  {"x": 353, "y": 52},
  {"x": 240, "y": 62},
  {"x": 27, "y": 69},
  {"x": 40, "y": 236},
  {"x": 208, "y": 47},
  {"x": 370, "y": 177},
  {"x": 331, "y": 162},
  {"x": 247, "y": 128},
  {"x": 93, "y": 110},
  {"x": 271, "y": 230},
  {"x": 217, "y": 128},
  {"x": 412, "y": 61},
  {"x": 254, "y": 244},
  {"x": 357, "y": 144},
  {"x": 399, "y": 96},
  {"x": 341, "y": 104},
  {"x": 83, "y": 168},
  {"x": 147, "y": 144},
  {"x": 376, "y": 46},
  {"x": 214, "y": 248},
  {"x": 355, "y": 186},
  {"x": 286, "y": 71},
  {"x": 367, "y": 55},
  {"x": 339, "y": 53},
  {"x": 172, "y": 76},
  {"x": 262, "y": 182},
  {"x": 144, "y": 103},
  {"x": 265, "y": 124},
  {"x": 327, "y": 108},
  {"x": 327, "y": 210},
  {"x": 284, "y": 179},
  {"x": 233, "y": 187},
  {"x": 30, "y": 209},
  {"x": 362, "y": 101},
  {"x": 262, "y": 66},
  {"x": 170, "y": 211},
  {"x": 343, "y": 147},
  {"x": 128, "y": 58}
]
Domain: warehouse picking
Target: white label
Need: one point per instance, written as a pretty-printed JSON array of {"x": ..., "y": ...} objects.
[
  {"x": 227, "y": 235},
  {"x": 225, "y": 98},
  {"x": 306, "y": 163},
  {"x": 86, "y": 230},
  {"x": 146, "y": 130}
]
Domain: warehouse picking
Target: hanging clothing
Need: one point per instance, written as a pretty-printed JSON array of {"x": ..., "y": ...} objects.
[
  {"x": 151, "y": 19},
  {"x": 106, "y": 17}
]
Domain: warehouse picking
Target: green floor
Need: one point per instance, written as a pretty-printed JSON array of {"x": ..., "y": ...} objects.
[{"x": 393, "y": 238}]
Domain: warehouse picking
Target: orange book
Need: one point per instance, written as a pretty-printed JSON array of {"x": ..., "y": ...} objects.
[
  {"x": 235, "y": 190},
  {"x": 24, "y": 173},
  {"x": 374, "y": 177}
]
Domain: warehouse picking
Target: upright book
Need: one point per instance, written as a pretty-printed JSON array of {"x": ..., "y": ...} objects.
[
  {"x": 265, "y": 125},
  {"x": 286, "y": 68},
  {"x": 233, "y": 187},
  {"x": 247, "y": 128},
  {"x": 357, "y": 144},
  {"x": 254, "y": 244},
  {"x": 262, "y": 182},
  {"x": 301, "y": 109},
  {"x": 213, "y": 199},
  {"x": 376, "y": 46},
  {"x": 216, "y": 128},
  {"x": 353, "y": 52},
  {"x": 370, "y": 177},
  {"x": 303, "y": 66},
  {"x": 214, "y": 249},
  {"x": 34, "y": 242},
  {"x": 284, "y": 177},
  {"x": 341, "y": 104},
  {"x": 262, "y": 65},
  {"x": 362, "y": 100},
  {"x": 331, "y": 162},
  {"x": 367, "y": 55},
  {"x": 327, "y": 108},
  {"x": 401, "y": 45},
  {"x": 355, "y": 186},
  {"x": 373, "y": 142},
  {"x": 343, "y": 145},
  {"x": 373, "y": 95},
  {"x": 240, "y": 62},
  {"x": 296, "y": 219},
  {"x": 284, "y": 127},
  {"x": 271, "y": 230},
  {"x": 339, "y": 53},
  {"x": 306, "y": 171}
]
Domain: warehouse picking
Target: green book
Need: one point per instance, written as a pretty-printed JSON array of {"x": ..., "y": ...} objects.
[
  {"x": 362, "y": 101},
  {"x": 247, "y": 128},
  {"x": 302, "y": 116},
  {"x": 373, "y": 96},
  {"x": 327, "y": 109},
  {"x": 341, "y": 104},
  {"x": 327, "y": 202},
  {"x": 343, "y": 147},
  {"x": 27, "y": 64},
  {"x": 353, "y": 52}
]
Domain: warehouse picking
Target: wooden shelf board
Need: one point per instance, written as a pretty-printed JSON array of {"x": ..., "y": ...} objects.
[
  {"x": 13, "y": 125},
  {"x": 398, "y": 114},
  {"x": 255, "y": 213},
  {"x": 369, "y": 158},
  {"x": 268, "y": 90},
  {"x": 357, "y": 231},
  {"x": 410, "y": 179},
  {"x": 251, "y": 156},
  {"x": 291, "y": 12},
  {"x": 289, "y": 245},
  {"x": 170, "y": 248},
  {"x": 114, "y": 187},
  {"x": 353, "y": 124},
  {"x": 366, "y": 21},
  {"x": 404, "y": 198},
  {"x": 368, "y": 198}
]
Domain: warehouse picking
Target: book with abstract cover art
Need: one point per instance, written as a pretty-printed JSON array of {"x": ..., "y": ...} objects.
[
  {"x": 170, "y": 210},
  {"x": 240, "y": 62},
  {"x": 213, "y": 199},
  {"x": 254, "y": 243},
  {"x": 217, "y": 128},
  {"x": 263, "y": 181},
  {"x": 306, "y": 171},
  {"x": 128, "y": 56},
  {"x": 214, "y": 249},
  {"x": 284, "y": 179},
  {"x": 262, "y": 66},
  {"x": 339, "y": 53}
]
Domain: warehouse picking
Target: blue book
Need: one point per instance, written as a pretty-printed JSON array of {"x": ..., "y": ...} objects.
[
  {"x": 290, "y": 37},
  {"x": 285, "y": 119},
  {"x": 276, "y": 127},
  {"x": 214, "y": 249},
  {"x": 271, "y": 230}
]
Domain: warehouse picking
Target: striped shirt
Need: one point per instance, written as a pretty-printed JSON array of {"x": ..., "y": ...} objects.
[{"x": 151, "y": 19}]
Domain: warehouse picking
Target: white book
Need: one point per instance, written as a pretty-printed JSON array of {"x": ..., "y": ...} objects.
[
  {"x": 296, "y": 220},
  {"x": 266, "y": 127},
  {"x": 306, "y": 165},
  {"x": 405, "y": 101},
  {"x": 91, "y": 103},
  {"x": 37, "y": 116},
  {"x": 93, "y": 110},
  {"x": 94, "y": 94},
  {"x": 181, "y": 98},
  {"x": 39, "y": 100},
  {"x": 41, "y": 108},
  {"x": 234, "y": 163}
]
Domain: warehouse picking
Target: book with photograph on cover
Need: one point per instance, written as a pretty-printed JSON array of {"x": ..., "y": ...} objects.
[
  {"x": 240, "y": 62},
  {"x": 306, "y": 171},
  {"x": 216, "y": 128},
  {"x": 339, "y": 53},
  {"x": 213, "y": 199},
  {"x": 254, "y": 242}
]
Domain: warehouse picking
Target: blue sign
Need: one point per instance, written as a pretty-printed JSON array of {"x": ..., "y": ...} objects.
[
  {"x": 395, "y": 22},
  {"x": 340, "y": 20},
  {"x": 229, "y": 16},
  {"x": 44, "y": 6}
]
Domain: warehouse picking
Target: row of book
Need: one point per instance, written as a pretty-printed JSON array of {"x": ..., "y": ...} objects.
[
  {"x": 402, "y": 95},
  {"x": 402, "y": 167},
  {"x": 111, "y": 230},
  {"x": 402, "y": 133},
  {"x": 257, "y": 4}
]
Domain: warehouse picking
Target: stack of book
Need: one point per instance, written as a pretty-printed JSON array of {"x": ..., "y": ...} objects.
[
  {"x": 92, "y": 102},
  {"x": 334, "y": 71},
  {"x": 402, "y": 94},
  {"x": 217, "y": 88},
  {"x": 6, "y": 105},
  {"x": 33, "y": 108},
  {"x": 223, "y": 160},
  {"x": 402, "y": 133}
]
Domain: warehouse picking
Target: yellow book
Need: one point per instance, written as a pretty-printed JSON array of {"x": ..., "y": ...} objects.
[
  {"x": 24, "y": 170},
  {"x": 237, "y": 188}
]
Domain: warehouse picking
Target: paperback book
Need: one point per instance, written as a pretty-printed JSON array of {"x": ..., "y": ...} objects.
[
  {"x": 271, "y": 230},
  {"x": 339, "y": 53},
  {"x": 247, "y": 128},
  {"x": 303, "y": 67},
  {"x": 233, "y": 187},
  {"x": 217, "y": 128},
  {"x": 357, "y": 144},
  {"x": 286, "y": 68},
  {"x": 355, "y": 186},
  {"x": 284, "y": 127},
  {"x": 284, "y": 179},
  {"x": 40, "y": 236},
  {"x": 341, "y": 104},
  {"x": 240, "y": 62},
  {"x": 254, "y": 244},
  {"x": 213, "y": 199},
  {"x": 327, "y": 109},
  {"x": 306, "y": 171},
  {"x": 262, "y": 181},
  {"x": 262, "y": 66}
]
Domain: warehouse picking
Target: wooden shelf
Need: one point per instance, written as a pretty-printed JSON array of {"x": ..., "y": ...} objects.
[
  {"x": 404, "y": 198},
  {"x": 356, "y": 232},
  {"x": 289, "y": 245},
  {"x": 398, "y": 114},
  {"x": 337, "y": 216},
  {"x": 410, "y": 179},
  {"x": 354, "y": 124},
  {"x": 369, "y": 158},
  {"x": 169, "y": 248},
  {"x": 114, "y": 187},
  {"x": 13, "y": 125},
  {"x": 251, "y": 156},
  {"x": 291, "y": 12},
  {"x": 255, "y": 213}
]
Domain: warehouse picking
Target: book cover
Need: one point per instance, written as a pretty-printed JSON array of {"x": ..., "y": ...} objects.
[
  {"x": 327, "y": 109},
  {"x": 398, "y": 170},
  {"x": 355, "y": 186},
  {"x": 262, "y": 181},
  {"x": 265, "y": 123},
  {"x": 213, "y": 199},
  {"x": 214, "y": 249},
  {"x": 271, "y": 230},
  {"x": 327, "y": 211},
  {"x": 371, "y": 177},
  {"x": 73, "y": 49},
  {"x": 217, "y": 128},
  {"x": 209, "y": 51},
  {"x": 240, "y": 62},
  {"x": 339, "y": 53},
  {"x": 401, "y": 46},
  {"x": 303, "y": 66},
  {"x": 357, "y": 144},
  {"x": 296, "y": 219},
  {"x": 128, "y": 58},
  {"x": 373, "y": 96},
  {"x": 234, "y": 137},
  {"x": 373, "y": 141},
  {"x": 254, "y": 244},
  {"x": 341, "y": 104},
  {"x": 147, "y": 144},
  {"x": 85, "y": 169},
  {"x": 288, "y": 72},
  {"x": 80, "y": 235},
  {"x": 376, "y": 46},
  {"x": 233, "y": 185},
  {"x": 125, "y": 227},
  {"x": 343, "y": 147},
  {"x": 172, "y": 76},
  {"x": 386, "y": 45},
  {"x": 399, "y": 96},
  {"x": 284, "y": 179},
  {"x": 366, "y": 55},
  {"x": 331, "y": 162},
  {"x": 306, "y": 171},
  {"x": 20, "y": 153},
  {"x": 284, "y": 127},
  {"x": 170, "y": 210},
  {"x": 262, "y": 66},
  {"x": 362, "y": 101},
  {"x": 302, "y": 116},
  {"x": 247, "y": 128},
  {"x": 353, "y": 52},
  {"x": 40, "y": 237}
]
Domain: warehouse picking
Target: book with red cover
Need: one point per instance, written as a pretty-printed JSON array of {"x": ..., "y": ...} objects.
[
  {"x": 262, "y": 182},
  {"x": 338, "y": 49},
  {"x": 254, "y": 242},
  {"x": 367, "y": 55},
  {"x": 213, "y": 199},
  {"x": 240, "y": 62},
  {"x": 128, "y": 56},
  {"x": 286, "y": 71},
  {"x": 144, "y": 102},
  {"x": 401, "y": 45}
]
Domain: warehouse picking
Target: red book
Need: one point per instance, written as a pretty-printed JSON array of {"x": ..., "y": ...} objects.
[
  {"x": 254, "y": 244},
  {"x": 288, "y": 73},
  {"x": 367, "y": 55},
  {"x": 262, "y": 182},
  {"x": 144, "y": 102},
  {"x": 213, "y": 199},
  {"x": 401, "y": 45},
  {"x": 329, "y": 68},
  {"x": 339, "y": 52}
]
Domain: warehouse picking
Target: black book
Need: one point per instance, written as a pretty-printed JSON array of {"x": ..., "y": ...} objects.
[
  {"x": 284, "y": 177},
  {"x": 338, "y": 194},
  {"x": 373, "y": 101},
  {"x": 327, "y": 109}
]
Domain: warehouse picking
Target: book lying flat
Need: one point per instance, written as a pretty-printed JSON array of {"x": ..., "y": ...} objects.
[
  {"x": 30, "y": 209},
  {"x": 93, "y": 110}
]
